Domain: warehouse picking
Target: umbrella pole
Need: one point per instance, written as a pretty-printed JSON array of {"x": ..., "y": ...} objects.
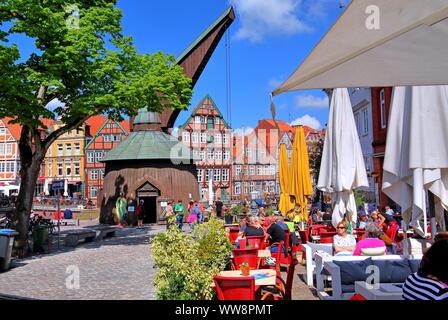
[{"x": 432, "y": 215}]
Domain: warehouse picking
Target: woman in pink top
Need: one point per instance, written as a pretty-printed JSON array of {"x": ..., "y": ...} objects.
[{"x": 371, "y": 239}]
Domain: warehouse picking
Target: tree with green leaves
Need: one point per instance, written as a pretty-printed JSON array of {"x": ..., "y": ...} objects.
[{"x": 82, "y": 59}]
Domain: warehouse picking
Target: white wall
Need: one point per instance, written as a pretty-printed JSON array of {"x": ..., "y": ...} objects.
[{"x": 361, "y": 99}]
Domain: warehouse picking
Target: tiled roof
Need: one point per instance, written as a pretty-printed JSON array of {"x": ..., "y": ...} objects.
[
  {"x": 16, "y": 128},
  {"x": 95, "y": 123}
]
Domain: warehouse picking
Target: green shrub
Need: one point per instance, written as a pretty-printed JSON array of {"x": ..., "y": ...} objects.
[{"x": 188, "y": 262}]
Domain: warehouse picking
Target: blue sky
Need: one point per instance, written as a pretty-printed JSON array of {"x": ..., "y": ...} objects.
[{"x": 269, "y": 39}]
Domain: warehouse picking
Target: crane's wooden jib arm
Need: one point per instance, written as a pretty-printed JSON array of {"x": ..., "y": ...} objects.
[{"x": 195, "y": 58}]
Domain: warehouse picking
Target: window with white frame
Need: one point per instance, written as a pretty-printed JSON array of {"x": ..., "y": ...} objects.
[
  {"x": 225, "y": 138},
  {"x": 272, "y": 169},
  {"x": 252, "y": 186},
  {"x": 76, "y": 167},
  {"x": 202, "y": 155},
  {"x": 225, "y": 175},
  {"x": 203, "y": 137},
  {"x": 94, "y": 174},
  {"x": 265, "y": 186},
  {"x": 227, "y": 155},
  {"x": 218, "y": 138},
  {"x": 186, "y": 136},
  {"x": 218, "y": 155},
  {"x": 238, "y": 188},
  {"x": 210, "y": 154},
  {"x": 238, "y": 170},
  {"x": 365, "y": 118},
  {"x": 68, "y": 169},
  {"x": 98, "y": 156},
  {"x": 2, "y": 148},
  {"x": 248, "y": 152},
  {"x": 208, "y": 175},
  {"x": 195, "y": 137},
  {"x": 266, "y": 170},
  {"x": 60, "y": 169},
  {"x": 77, "y": 148},
  {"x": 358, "y": 122},
  {"x": 252, "y": 170},
  {"x": 383, "y": 108},
  {"x": 197, "y": 119},
  {"x": 246, "y": 170},
  {"x": 9, "y": 148},
  {"x": 203, "y": 119},
  {"x": 200, "y": 175},
  {"x": 216, "y": 120},
  {"x": 272, "y": 186},
  {"x": 259, "y": 170},
  {"x": 68, "y": 149},
  {"x": 93, "y": 192},
  {"x": 217, "y": 175},
  {"x": 90, "y": 157},
  {"x": 60, "y": 149}
]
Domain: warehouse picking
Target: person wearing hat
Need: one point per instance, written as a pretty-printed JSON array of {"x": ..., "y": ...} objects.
[{"x": 362, "y": 221}]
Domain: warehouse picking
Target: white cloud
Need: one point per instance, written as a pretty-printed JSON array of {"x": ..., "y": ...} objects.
[
  {"x": 308, "y": 121},
  {"x": 268, "y": 17},
  {"x": 243, "y": 131},
  {"x": 175, "y": 132},
  {"x": 310, "y": 101},
  {"x": 55, "y": 103}
]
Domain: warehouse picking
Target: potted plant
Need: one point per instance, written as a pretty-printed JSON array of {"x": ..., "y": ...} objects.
[
  {"x": 245, "y": 269},
  {"x": 228, "y": 217}
]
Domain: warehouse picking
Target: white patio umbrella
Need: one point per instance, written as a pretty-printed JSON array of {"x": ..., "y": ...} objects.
[
  {"x": 342, "y": 168},
  {"x": 210, "y": 191},
  {"x": 65, "y": 188},
  {"x": 416, "y": 158},
  {"x": 378, "y": 43},
  {"x": 46, "y": 191}
]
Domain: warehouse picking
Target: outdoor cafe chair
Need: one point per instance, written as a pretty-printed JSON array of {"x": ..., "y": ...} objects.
[
  {"x": 256, "y": 241},
  {"x": 233, "y": 235},
  {"x": 248, "y": 255},
  {"x": 284, "y": 288},
  {"x": 392, "y": 232},
  {"x": 278, "y": 257},
  {"x": 327, "y": 237},
  {"x": 237, "y": 288}
]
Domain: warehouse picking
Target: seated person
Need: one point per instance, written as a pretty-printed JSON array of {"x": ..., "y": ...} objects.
[
  {"x": 253, "y": 228},
  {"x": 275, "y": 234},
  {"x": 371, "y": 239},
  {"x": 344, "y": 244},
  {"x": 327, "y": 215},
  {"x": 362, "y": 222},
  {"x": 431, "y": 280},
  {"x": 281, "y": 221}
]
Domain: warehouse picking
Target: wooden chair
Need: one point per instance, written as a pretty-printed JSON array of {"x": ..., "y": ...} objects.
[
  {"x": 237, "y": 288},
  {"x": 249, "y": 256}
]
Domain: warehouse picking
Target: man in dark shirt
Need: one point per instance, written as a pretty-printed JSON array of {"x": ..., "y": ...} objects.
[
  {"x": 219, "y": 205},
  {"x": 275, "y": 233},
  {"x": 253, "y": 228}
]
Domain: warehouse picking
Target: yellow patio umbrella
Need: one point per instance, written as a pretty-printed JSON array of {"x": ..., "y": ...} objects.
[
  {"x": 286, "y": 204},
  {"x": 300, "y": 182}
]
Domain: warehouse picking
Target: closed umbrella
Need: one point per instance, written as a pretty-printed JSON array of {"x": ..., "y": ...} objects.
[
  {"x": 65, "y": 188},
  {"x": 210, "y": 190},
  {"x": 300, "y": 182},
  {"x": 342, "y": 168},
  {"x": 416, "y": 157},
  {"x": 285, "y": 204},
  {"x": 46, "y": 192}
]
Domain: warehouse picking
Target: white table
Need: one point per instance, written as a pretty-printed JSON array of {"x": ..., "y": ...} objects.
[{"x": 382, "y": 291}]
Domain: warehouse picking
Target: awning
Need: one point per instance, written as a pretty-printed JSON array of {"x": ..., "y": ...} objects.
[{"x": 379, "y": 43}]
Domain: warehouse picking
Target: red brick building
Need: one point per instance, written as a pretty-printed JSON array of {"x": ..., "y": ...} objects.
[
  {"x": 209, "y": 135},
  {"x": 103, "y": 135},
  {"x": 381, "y": 102}
]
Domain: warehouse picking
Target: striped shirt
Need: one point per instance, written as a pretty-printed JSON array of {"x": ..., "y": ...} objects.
[{"x": 420, "y": 288}]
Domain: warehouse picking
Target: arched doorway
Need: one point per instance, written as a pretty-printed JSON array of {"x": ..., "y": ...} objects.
[{"x": 148, "y": 193}]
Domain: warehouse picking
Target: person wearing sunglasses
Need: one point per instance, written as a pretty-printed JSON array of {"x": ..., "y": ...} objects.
[{"x": 343, "y": 244}]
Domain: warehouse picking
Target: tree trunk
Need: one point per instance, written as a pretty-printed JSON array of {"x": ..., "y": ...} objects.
[{"x": 30, "y": 169}]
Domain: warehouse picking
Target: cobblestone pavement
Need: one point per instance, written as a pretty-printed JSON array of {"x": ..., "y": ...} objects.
[
  {"x": 118, "y": 268},
  {"x": 115, "y": 268}
]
